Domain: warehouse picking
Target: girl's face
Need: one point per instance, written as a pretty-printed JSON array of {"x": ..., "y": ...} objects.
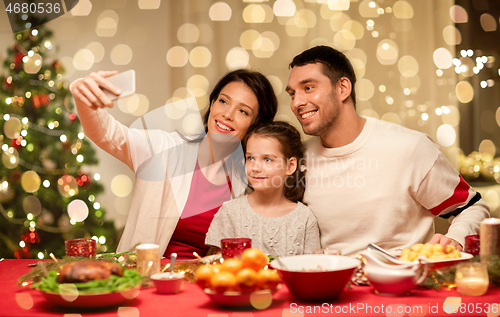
[
  {"x": 266, "y": 167},
  {"x": 233, "y": 111}
]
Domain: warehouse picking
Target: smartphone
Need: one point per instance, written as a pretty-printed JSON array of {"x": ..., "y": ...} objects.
[{"x": 124, "y": 81}]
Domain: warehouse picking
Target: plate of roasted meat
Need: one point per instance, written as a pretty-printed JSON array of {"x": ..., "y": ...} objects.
[{"x": 90, "y": 284}]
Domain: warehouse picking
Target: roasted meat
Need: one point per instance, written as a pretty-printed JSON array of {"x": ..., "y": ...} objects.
[{"x": 84, "y": 271}]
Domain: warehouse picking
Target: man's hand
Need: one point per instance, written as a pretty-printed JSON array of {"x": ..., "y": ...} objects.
[{"x": 443, "y": 240}]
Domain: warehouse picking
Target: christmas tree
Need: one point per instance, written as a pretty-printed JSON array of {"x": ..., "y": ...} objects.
[{"x": 46, "y": 196}]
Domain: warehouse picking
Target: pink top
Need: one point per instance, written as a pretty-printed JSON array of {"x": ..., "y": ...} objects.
[{"x": 203, "y": 202}]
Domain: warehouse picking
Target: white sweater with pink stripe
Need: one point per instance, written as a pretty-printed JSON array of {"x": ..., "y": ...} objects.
[{"x": 386, "y": 187}]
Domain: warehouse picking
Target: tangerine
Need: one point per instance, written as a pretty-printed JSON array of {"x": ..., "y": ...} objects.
[
  {"x": 254, "y": 259},
  {"x": 223, "y": 281},
  {"x": 231, "y": 265},
  {"x": 247, "y": 280},
  {"x": 203, "y": 275},
  {"x": 268, "y": 279}
]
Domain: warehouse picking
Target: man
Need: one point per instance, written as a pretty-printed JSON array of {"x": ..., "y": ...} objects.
[{"x": 371, "y": 181}]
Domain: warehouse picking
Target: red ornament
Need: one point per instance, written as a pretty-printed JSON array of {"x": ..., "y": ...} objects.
[
  {"x": 18, "y": 59},
  {"x": 7, "y": 84},
  {"x": 16, "y": 143},
  {"x": 72, "y": 117},
  {"x": 40, "y": 100},
  {"x": 23, "y": 253},
  {"x": 83, "y": 180},
  {"x": 56, "y": 64}
]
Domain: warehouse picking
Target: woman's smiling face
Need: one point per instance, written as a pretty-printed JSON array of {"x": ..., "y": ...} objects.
[{"x": 234, "y": 110}]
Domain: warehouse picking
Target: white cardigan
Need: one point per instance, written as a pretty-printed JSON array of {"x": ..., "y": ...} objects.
[{"x": 163, "y": 164}]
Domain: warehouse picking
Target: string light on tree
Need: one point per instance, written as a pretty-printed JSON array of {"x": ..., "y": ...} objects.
[{"x": 42, "y": 190}]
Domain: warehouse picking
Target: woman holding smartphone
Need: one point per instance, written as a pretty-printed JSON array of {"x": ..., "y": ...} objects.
[{"x": 173, "y": 205}]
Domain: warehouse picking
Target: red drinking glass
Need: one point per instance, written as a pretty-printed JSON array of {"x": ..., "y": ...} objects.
[
  {"x": 234, "y": 247},
  {"x": 80, "y": 247},
  {"x": 472, "y": 244}
]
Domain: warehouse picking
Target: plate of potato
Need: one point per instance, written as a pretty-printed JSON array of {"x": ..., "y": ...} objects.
[{"x": 437, "y": 255}]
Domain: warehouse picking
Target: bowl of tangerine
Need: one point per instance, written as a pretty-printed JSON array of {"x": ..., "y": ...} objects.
[{"x": 243, "y": 281}]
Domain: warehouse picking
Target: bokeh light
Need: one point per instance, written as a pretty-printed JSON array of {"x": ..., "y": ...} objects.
[
  {"x": 121, "y": 185},
  {"x": 12, "y": 128},
  {"x": 391, "y": 117},
  {"x": 284, "y": 8},
  {"x": 121, "y": 54},
  {"x": 387, "y": 52},
  {"x": 192, "y": 124},
  {"x": 339, "y": 5},
  {"x": 369, "y": 9},
  {"x": 107, "y": 24},
  {"x": 188, "y": 33},
  {"x": 344, "y": 40},
  {"x": 248, "y": 37},
  {"x": 198, "y": 84},
  {"x": 338, "y": 20},
  {"x": 83, "y": 59},
  {"x": 30, "y": 181},
  {"x": 68, "y": 291},
  {"x": 220, "y": 11},
  {"x": 452, "y": 117},
  {"x": 458, "y": 14},
  {"x": 276, "y": 83},
  {"x": 236, "y": 58},
  {"x": 257, "y": 13},
  {"x": 464, "y": 92},
  {"x": 149, "y": 4},
  {"x": 446, "y": 135},
  {"x": 364, "y": 89},
  {"x": 176, "y": 109},
  {"x": 67, "y": 186},
  {"x": 355, "y": 28},
  {"x": 488, "y": 22},
  {"x": 200, "y": 56},
  {"x": 408, "y": 66},
  {"x": 82, "y": 8},
  {"x": 442, "y": 58},
  {"x": 97, "y": 51},
  {"x": 137, "y": 104},
  {"x": 452, "y": 35},
  {"x": 78, "y": 210},
  {"x": 24, "y": 300},
  {"x": 488, "y": 147},
  {"x": 177, "y": 56},
  {"x": 411, "y": 83},
  {"x": 33, "y": 63},
  {"x": 402, "y": 10},
  {"x": 10, "y": 158},
  {"x": 32, "y": 205}
]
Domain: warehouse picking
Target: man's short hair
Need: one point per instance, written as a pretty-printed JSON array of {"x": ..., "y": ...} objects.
[{"x": 335, "y": 64}]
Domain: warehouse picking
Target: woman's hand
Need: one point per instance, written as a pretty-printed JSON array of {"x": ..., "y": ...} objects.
[{"x": 88, "y": 90}]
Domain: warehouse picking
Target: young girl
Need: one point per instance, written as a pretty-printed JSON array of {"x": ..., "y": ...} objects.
[{"x": 272, "y": 215}]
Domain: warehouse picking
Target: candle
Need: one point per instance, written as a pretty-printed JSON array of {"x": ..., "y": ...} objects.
[
  {"x": 490, "y": 237},
  {"x": 234, "y": 247},
  {"x": 472, "y": 279},
  {"x": 148, "y": 259},
  {"x": 80, "y": 247}
]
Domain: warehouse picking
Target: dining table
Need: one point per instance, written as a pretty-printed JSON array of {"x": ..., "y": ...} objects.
[{"x": 20, "y": 301}]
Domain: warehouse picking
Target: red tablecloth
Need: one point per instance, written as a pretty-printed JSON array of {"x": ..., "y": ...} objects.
[{"x": 191, "y": 301}]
